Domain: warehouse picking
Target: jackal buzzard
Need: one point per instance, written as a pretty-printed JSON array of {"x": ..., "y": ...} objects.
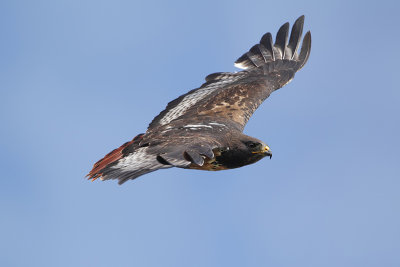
[{"x": 202, "y": 129}]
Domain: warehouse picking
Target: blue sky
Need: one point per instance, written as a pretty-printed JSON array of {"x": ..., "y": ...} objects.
[{"x": 79, "y": 78}]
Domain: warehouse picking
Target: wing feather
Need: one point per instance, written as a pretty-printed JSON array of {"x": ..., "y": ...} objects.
[
  {"x": 281, "y": 40},
  {"x": 266, "y": 41},
  {"x": 225, "y": 101},
  {"x": 235, "y": 96},
  {"x": 179, "y": 106},
  {"x": 305, "y": 50},
  {"x": 295, "y": 36}
]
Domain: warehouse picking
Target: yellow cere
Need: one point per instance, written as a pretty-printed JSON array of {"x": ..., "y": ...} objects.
[{"x": 266, "y": 148}]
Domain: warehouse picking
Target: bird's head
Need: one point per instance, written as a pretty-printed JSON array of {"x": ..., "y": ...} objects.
[
  {"x": 244, "y": 151},
  {"x": 256, "y": 149}
]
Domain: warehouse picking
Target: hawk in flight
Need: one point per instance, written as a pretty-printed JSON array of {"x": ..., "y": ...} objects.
[{"x": 203, "y": 129}]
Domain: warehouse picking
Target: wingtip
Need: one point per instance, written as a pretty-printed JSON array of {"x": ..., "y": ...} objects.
[
  {"x": 305, "y": 49},
  {"x": 295, "y": 37},
  {"x": 307, "y": 40},
  {"x": 281, "y": 39},
  {"x": 285, "y": 47},
  {"x": 300, "y": 19}
]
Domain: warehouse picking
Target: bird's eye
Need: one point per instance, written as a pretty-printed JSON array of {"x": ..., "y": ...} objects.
[{"x": 251, "y": 144}]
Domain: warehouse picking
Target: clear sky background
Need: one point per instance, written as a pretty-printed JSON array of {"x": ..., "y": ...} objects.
[{"x": 79, "y": 78}]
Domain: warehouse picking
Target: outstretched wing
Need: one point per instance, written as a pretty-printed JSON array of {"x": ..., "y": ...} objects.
[{"x": 235, "y": 96}]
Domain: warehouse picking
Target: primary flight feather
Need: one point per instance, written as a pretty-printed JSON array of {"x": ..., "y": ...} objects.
[{"x": 203, "y": 129}]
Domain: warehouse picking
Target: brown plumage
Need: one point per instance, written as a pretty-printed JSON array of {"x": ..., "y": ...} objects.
[{"x": 202, "y": 129}]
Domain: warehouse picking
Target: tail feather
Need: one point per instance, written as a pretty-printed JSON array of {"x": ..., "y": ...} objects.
[
  {"x": 100, "y": 167},
  {"x": 137, "y": 163},
  {"x": 126, "y": 162}
]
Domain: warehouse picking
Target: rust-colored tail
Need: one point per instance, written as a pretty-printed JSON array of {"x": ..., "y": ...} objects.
[{"x": 113, "y": 157}]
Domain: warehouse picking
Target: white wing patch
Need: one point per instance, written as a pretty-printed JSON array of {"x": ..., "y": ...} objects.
[
  {"x": 197, "y": 126},
  {"x": 190, "y": 100},
  {"x": 217, "y": 124},
  {"x": 240, "y": 66}
]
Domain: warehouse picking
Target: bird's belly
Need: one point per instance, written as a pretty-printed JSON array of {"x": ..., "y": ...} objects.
[{"x": 209, "y": 165}]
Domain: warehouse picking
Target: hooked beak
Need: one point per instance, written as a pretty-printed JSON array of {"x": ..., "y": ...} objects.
[{"x": 266, "y": 150}]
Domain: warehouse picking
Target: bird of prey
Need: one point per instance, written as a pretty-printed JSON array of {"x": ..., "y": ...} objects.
[{"x": 203, "y": 129}]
